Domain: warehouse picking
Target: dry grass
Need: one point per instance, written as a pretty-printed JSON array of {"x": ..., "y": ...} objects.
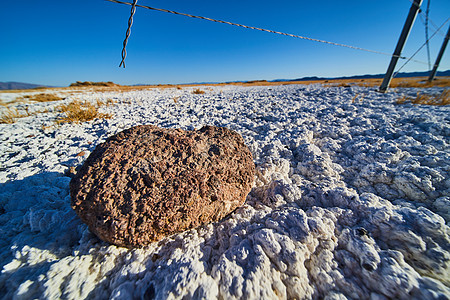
[
  {"x": 421, "y": 82},
  {"x": 81, "y": 87},
  {"x": 356, "y": 97},
  {"x": 90, "y": 83},
  {"x": 256, "y": 82},
  {"x": 425, "y": 99},
  {"x": 198, "y": 92},
  {"x": 343, "y": 84},
  {"x": 10, "y": 115},
  {"x": 77, "y": 111},
  {"x": 108, "y": 102},
  {"x": 417, "y": 82},
  {"x": 42, "y": 97},
  {"x": 396, "y": 82}
]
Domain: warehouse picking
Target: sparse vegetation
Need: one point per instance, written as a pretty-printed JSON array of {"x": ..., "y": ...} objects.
[
  {"x": 426, "y": 99},
  {"x": 90, "y": 83},
  {"x": 420, "y": 82},
  {"x": 108, "y": 102},
  {"x": 198, "y": 92},
  {"x": 42, "y": 97},
  {"x": 10, "y": 115},
  {"x": 255, "y": 81},
  {"x": 77, "y": 111},
  {"x": 356, "y": 97},
  {"x": 343, "y": 84}
]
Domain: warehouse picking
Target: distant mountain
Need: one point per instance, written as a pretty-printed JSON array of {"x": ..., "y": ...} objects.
[
  {"x": 18, "y": 86},
  {"x": 399, "y": 75}
]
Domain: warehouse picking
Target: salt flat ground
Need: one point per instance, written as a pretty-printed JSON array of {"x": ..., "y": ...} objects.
[{"x": 351, "y": 200}]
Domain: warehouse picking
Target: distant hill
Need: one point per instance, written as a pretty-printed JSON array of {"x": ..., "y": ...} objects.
[
  {"x": 399, "y": 75},
  {"x": 91, "y": 83},
  {"x": 18, "y": 85},
  {"x": 24, "y": 86}
]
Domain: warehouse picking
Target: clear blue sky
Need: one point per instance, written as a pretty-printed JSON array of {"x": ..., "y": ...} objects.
[{"x": 60, "y": 42}]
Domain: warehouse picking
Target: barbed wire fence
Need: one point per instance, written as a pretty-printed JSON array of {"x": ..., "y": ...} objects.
[
  {"x": 420, "y": 48},
  {"x": 127, "y": 35},
  {"x": 408, "y": 59},
  {"x": 427, "y": 19}
]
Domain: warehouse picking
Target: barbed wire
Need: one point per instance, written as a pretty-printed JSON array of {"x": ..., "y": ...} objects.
[
  {"x": 427, "y": 18},
  {"x": 420, "y": 48},
  {"x": 436, "y": 27},
  {"x": 267, "y": 30},
  {"x": 125, "y": 42}
]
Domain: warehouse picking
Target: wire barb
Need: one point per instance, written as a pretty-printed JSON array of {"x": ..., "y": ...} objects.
[{"x": 125, "y": 42}]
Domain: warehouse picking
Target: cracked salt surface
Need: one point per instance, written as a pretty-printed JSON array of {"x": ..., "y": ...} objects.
[{"x": 351, "y": 201}]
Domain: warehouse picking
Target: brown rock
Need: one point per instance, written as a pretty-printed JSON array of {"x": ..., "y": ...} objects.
[{"x": 146, "y": 182}]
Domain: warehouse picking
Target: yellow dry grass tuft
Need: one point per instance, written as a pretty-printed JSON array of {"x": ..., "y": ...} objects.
[
  {"x": 42, "y": 97},
  {"x": 10, "y": 115},
  {"x": 354, "y": 98},
  {"x": 108, "y": 102},
  {"x": 198, "y": 92},
  {"x": 77, "y": 111},
  {"x": 426, "y": 99}
]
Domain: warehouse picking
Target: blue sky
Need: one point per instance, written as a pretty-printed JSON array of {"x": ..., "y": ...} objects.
[{"x": 60, "y": 42}]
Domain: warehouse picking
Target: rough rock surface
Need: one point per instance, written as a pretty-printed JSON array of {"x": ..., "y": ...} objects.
[{"x": 147, "y": 182}]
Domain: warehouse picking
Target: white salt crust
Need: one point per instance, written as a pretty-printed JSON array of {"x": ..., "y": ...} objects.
[{"x": 351, "y": 200}]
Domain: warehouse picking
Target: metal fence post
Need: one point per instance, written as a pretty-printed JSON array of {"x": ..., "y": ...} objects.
[
  {"x": 401, "y": 42},
  {"x": 439, "y": 57}
]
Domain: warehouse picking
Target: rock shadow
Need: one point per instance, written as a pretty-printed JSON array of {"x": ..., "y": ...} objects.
[{"x": 201, "y": 257}]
